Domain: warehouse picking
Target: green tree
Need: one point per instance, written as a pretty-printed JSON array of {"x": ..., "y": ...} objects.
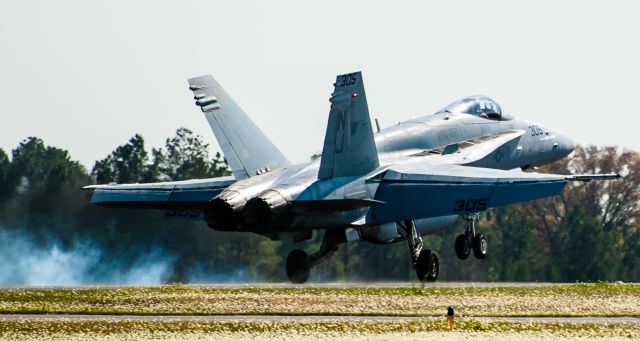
[
  {"x": 4, "y": 170},
  {"x": 516, "y": 251},
  {"x": 186, "y": 156},
  {"x": 219, "y": 166},
  {"x": 36, "y": 167},
  {"x": 126, "y": 164},
  {"x": 609, "y": 210},
  {"x": 578, "y": 249}
]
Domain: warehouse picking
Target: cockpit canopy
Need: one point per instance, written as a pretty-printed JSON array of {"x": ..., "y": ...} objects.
[{"x": 481, "y": 106}]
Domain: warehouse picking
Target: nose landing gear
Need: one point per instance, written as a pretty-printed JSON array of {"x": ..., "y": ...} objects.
[
  {"x": 427, "y": 266},
  {"x": 470, "y": 241}
]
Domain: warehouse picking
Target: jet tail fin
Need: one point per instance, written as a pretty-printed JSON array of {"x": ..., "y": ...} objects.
[
  {"x": 349, "y": 147},
  {"x": 248, "y": 151}
]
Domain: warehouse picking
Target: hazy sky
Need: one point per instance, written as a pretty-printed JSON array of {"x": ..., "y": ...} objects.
[{"x": 87, "y": 75}]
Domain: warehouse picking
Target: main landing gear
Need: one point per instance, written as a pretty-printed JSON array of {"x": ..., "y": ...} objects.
[
  {"x": 425, "y": 262},
  {"x": 299, "y": 264},
  {"x": 469, "y": 241}
]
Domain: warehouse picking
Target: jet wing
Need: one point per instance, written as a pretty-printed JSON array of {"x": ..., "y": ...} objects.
[
  {"x": 189, "y": 194},
  {"x": 420, "y": 190}
]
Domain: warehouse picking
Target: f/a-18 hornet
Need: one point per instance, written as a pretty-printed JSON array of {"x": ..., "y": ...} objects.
[{"x": 397, "y": 184}]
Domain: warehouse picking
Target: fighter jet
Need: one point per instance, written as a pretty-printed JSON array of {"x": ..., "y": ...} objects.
[{"x": 395, "y": 184}]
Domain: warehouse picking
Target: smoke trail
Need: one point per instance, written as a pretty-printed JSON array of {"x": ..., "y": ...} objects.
[
  {"x": 199, "y": 274},
  {"x": 26, "y": 262}
]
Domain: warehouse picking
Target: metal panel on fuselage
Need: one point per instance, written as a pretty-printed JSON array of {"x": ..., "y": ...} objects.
[
  {"x": 536, "y": 147},
  {"x": 435, "y": 131}
]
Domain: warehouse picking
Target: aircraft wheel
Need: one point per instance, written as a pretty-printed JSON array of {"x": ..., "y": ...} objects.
[
  {"x": 463, "y": 247},
  {"x": 480, "y": 246},
  {"x": 427, "y": 266},
  {"x": 298, "y": 266}
]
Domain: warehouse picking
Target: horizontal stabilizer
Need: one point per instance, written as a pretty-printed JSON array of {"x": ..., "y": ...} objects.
[{"x": 189, "y": 194}]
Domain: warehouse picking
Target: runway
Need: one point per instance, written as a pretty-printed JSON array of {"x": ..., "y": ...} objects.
[
  {"x": 338, "y": 311},
  {"x": 337, "y": 285},
  {"x": 308, "y": 318},
  {"x": 356, "y": 301},
  {"x": 416, "y": 284}
]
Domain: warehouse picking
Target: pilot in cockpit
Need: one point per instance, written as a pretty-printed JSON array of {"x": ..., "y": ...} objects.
[{"x": 480, "y": 106}]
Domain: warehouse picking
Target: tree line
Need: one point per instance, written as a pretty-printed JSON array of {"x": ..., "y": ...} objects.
[{"x": 589, "y": 233}]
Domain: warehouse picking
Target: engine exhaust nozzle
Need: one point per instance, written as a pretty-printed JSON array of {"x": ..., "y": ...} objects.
[
  {"x": 224, "y": 212},
  {"x": 268, "y": 209}
]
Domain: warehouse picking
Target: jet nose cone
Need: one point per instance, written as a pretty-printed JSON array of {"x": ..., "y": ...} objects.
[
  {"x": 571, "y": 144},
  {"x": 566, "y": 144}
]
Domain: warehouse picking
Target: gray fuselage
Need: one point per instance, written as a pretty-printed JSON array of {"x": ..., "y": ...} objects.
[{"x": 405, "y": 143}]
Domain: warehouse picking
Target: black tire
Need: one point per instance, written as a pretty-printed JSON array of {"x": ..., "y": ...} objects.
[
  {"x": 463, "y": 249},
  {"x": 298, "y": 266},
  {"x": 480, "y": 246},
  {"x": 427, "y": 266}
]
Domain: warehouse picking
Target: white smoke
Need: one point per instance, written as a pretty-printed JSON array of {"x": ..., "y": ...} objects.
[
  {"x": 23, "y": 261},
  {"x": 199, "y": 274}
]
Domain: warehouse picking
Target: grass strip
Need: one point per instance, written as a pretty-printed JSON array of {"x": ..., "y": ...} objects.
[
  {"x": 594, "y": 299},
  {"x": 74, "y": 329}
]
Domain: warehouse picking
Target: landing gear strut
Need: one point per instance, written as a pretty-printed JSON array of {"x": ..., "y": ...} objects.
[
  {"x": 425, "y": 262},
  {"x": 299, "y": 264},
  {"x": 469, "y": 241}
]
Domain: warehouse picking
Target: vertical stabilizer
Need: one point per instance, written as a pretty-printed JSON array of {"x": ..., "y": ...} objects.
[
  {"x": 248, "y": 151},
  {"x": 349, "y": 148}
]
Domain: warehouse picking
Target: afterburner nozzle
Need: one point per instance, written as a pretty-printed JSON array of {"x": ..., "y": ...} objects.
[
  {"x": 269, "y": 209},
  {"x": 224, "y": 212}
]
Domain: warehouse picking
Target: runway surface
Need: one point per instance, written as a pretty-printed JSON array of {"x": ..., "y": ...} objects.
[
  {"x": 212, "y": 304},
  {"x": 302, "y": 318},
  {"x": 323, "y": 285},
  {"x": 385, "y": 285}
]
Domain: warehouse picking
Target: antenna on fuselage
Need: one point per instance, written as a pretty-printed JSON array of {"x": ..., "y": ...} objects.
[{"x": 377, "y": 125}]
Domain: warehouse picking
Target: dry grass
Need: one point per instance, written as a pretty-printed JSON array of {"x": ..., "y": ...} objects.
[
  {"x": 288, "y": 330},
  {"x": 600, "y": 299}
]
